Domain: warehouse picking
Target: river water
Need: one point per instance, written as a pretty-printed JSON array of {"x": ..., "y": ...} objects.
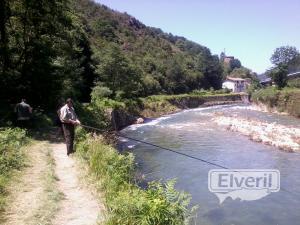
[{"x": 192, "y": 132}]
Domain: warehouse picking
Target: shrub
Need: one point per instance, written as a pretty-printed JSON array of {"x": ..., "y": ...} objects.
[
  {"x": 11, "y": 156},
  {"x": 199, "y": 92},
  {"x": 222, "y": 91},
  {"x": 93, "y": 115},
  {"x": 285, "y": 100},
  {"x": 127, "y": 203},
  {"x": 100, "y": 92},
  {"x": 268, "y": 96},
  {"x": 294, "y": 83}
]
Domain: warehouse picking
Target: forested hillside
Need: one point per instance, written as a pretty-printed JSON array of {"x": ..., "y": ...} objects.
[{"x": 54, "y": 49}]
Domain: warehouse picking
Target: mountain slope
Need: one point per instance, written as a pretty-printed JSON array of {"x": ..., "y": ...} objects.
[
  {"x": 62, "y": 48},
  {"x": 167, "y": 63}
]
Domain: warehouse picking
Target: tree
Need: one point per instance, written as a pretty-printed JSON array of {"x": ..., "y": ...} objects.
[
  {"x": 106, "y": 29},
  {"x": 279, "y": 75},
  {"x": 243, "y": 72},
  {"x": 117, "y": 73},
  {"x": 213, "y": 72},
  {"x": 175, "y": 77},
  {"x": 235, "y": 63},
  {"x": 228, "y": 67},
  {"x": 284, "y": 55},
  {"x": 4, "y": 17},
  {"x": 41, "y": 56},
  {"x": 294, "y": 65}
]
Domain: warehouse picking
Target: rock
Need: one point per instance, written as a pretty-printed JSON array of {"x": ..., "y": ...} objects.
[
  {"x": 139, "y": 120},
  {"x": 280, "y": 136}
]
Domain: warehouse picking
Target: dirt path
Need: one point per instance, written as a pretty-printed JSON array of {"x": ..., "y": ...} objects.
[
  {"x": 79, "y": 206},
  {"x": 30, "y": 193},
  {"x": 49, "y": 191}
]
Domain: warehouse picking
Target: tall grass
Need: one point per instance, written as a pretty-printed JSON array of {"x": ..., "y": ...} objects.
[
  {"x": 11, "y": 157},
  {"x": 284, "y": 100},
  {"x": 126, "y": 202},
  {"x": 268, "y": 96}
]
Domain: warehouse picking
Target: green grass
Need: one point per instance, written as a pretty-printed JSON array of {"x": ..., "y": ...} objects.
[
  {"x": 294, "y": 83},
  {"x": 267, "y": 96},
  {"x": 181, "y": 96},
  {"x": 12, "y": 157},
  {"x": 98, "y": 112},
  {"x": 285, "y": 100},
  {"x": 126, "y": 202}
]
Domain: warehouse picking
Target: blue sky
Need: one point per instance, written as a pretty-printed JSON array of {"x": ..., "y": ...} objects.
[{"x": 248, "y": 29}]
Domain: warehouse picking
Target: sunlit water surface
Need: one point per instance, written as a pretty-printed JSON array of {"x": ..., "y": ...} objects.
[{"x": 192, "y": 132}]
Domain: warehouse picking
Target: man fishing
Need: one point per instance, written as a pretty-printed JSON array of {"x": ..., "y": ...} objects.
[{"x": 69, "y": 120}]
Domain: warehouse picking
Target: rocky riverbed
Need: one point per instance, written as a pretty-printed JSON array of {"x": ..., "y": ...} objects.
[{"x": 283, "y": 137}]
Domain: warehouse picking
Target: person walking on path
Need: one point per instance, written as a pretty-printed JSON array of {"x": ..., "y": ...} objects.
[
  {"x": 69, "y": 120},
  {"x": 57, "y": 121},
  {"x": 24, "y": 113}
]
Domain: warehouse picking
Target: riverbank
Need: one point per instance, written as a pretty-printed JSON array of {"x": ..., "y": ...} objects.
[
  {"x": 283, "y": 137},
  {"x": 160, "y": 105},
  {"x": 126, "y": 202},
  {"x": 40, "y": 184},
  {"x": 285, "y": 101},
  {"x": 12, "y": 160}
]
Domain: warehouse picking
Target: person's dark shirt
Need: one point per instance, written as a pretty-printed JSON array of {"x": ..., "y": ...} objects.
[{"x": 23, "y": 111}]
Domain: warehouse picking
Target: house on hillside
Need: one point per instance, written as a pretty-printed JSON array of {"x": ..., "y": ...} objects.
[
  {"x": 267, "y": 81},
  {"x": 264, "y": 79},
  {"x": 294, "y": 75},
  {"x": 236, "y": 84}
]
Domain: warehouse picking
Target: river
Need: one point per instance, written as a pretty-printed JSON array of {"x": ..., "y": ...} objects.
[{"x": 192, "y": 132}]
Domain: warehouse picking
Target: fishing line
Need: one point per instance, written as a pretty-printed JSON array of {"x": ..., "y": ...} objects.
[
  {"x": 163, "y": 148},
  {"x": 176, "y": 152}
]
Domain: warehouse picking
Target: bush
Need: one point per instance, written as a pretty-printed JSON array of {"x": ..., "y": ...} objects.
[
  {"x": 285, "y": 100},
  {"x": 267, "y": 96},
  {"x": 93, "y": 115},
  {"x": 222, "y": 91},
  {"x": 294, "y": 83},
  {"x": 100, "y": 92},
  {"x": 11, "y": 156},
  {"x": 199, "y": 92},
  {"x": 127, "y": 203}
]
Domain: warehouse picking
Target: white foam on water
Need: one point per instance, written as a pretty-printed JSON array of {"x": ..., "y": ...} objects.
[
  {"x": 246, "y": 107},
  {"x": 179, "y": 126},
  {"x": 131, "y": 146},
  {"x": 121, "y": 139},
  {"x": 207, "y": 108},
  {"x": 151, "y": 123},
  {"x": 202, "y": 110}
]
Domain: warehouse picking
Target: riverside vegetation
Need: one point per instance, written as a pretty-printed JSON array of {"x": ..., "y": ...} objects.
[
  {"x": 126, "y": 202},
  {"x": 284, "y": 100},
  {"x": 65, "y": 48},
  {"x": 284, "y": 95},
  {"x": 77, "y": 48},
  {"x": 12, "y": 158}
]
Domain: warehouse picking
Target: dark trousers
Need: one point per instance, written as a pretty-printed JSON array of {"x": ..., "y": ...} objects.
[
  {"x": 69, "y": 131},
  {"x": 25, "y": 124}
]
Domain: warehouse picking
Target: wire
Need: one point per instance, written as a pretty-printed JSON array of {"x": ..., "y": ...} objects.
[
  {"x": 176, "y": 152},
  {"x": 160, "y": 147}
]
